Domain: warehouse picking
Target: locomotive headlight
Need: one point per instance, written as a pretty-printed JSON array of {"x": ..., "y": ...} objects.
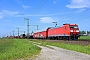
[
  {"x": 71, "y": 30},
  {"x": 77, "y": 30}
]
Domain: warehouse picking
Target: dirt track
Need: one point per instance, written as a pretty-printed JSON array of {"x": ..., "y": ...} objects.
[{"x": 60, "y": 54}]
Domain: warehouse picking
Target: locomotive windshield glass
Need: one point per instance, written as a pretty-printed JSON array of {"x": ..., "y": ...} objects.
[{"x": 73, "y": 26}]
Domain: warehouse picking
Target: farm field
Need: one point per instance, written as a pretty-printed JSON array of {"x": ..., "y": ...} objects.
[
  {"x": 12, "y": 49},
  {"x": 80, "y": 46},
  {"x": 84, "y": 38}
]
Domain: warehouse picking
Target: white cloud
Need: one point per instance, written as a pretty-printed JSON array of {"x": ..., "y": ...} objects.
[
  {"x": 12, "y": 25},
  {"x": 1, "y": 17},
  {"x": 7, "y": 21},
  {"x": 1, "y": 13},
  {"x": 86, "y": 20},
  {"x": 47, "y": 20},
  {"x": 25, "y": 7},
  {"x": 4, "y": 13},
  {"x": 54, "y": 2},
  {"x": 79, "y": 4},
  {"x": 15, "y": 26},
  {"x": 80, "y": 10},
  {"x": 25, "y": 15},
  {"x": 4, "y": 24},
  {"x": 18, "y": 1},
  {"x": 10, "y": 12}
]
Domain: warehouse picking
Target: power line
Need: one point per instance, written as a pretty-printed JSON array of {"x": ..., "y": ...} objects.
[
  {"x": 22, "y": 31},
  {"x": 32, "y": 14},
  {"x": 38, "y": 8},
  {"x": 42, "y": 5},
  {"x": 35, "y": 25}
]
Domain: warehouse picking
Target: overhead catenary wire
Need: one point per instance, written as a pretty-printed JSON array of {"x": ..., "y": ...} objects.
[
  {"x": 39, "y": 7},
  {"x": 43, "y": 4}
]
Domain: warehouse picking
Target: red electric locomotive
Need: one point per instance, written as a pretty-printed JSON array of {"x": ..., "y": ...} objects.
[{"x": 67, "y": 31}]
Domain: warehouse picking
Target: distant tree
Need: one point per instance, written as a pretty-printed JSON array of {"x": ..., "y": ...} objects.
[
  {"x": 88, "y": 32},
  {"x": 83, "y": 32}
]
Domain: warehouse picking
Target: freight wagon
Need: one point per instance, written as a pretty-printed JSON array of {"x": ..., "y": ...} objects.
[
  {"x": 40, "y": 35},
  {"x": 67, "y": 31}
]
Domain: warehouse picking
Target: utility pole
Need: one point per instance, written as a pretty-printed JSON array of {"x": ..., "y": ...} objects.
[
  {"x": 37, "y": 27},
  {"x": 0, "y": 36},
  {"x": 24, "y": 32},
  {"x": 27, "y": 27},
  {"x": 4, "y": 36},
  {"x": 13, "y": 34},
  {"x": 18, "y": 32},
  {"x": 10, "y": 34},
  {"x": 32, "y": 33},
  {"x": 55, "y": 23},
  {"x": 7, "y": 35}
]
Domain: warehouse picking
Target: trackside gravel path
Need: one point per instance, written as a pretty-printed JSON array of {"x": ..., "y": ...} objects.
[{"x": 55, "y": 53}]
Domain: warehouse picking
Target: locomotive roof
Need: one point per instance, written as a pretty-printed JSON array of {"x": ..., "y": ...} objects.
[
  {"x": 69, "y": 24},
  {"x": 62, "y": 26}
]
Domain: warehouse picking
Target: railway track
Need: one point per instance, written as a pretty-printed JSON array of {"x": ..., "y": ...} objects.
[{"x": 80, "y": 42}]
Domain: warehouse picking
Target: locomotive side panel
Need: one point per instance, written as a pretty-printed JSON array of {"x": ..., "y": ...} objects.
[
  {"x": 56, "y": 31},
  {"x": 61, "y": 31}
]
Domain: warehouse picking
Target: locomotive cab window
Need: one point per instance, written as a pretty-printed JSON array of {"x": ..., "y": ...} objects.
[{"x": 73, "y": 26}]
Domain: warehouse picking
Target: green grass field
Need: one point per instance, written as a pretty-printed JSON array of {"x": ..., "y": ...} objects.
[
  {"x": 84, "y": 38},
  {"x": 12, "y": 49},
  {"x": 69, "y": 46}
]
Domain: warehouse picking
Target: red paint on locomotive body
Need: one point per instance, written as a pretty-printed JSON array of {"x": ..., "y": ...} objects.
[
  {"x": 60, "y": 31},
  {"x": 66, "y": 31}
]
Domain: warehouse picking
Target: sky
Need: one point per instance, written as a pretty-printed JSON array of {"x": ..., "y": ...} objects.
[{"x": 42, "y": 13}]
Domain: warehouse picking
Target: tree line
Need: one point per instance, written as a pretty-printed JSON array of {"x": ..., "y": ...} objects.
[{"x": 85, "y": 32}]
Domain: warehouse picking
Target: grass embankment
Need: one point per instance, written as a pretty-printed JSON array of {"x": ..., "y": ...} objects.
[
  {"x": 75, "y": 47},
  {"x": 84, "y": 38},
  {"x": 12, "y": 49}
]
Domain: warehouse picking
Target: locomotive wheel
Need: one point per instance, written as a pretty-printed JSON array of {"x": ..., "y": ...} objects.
[
  {"x": 68, "y": 37},
  {"x": 76, "y": 38},
  {"x": 62, "y": 37}
]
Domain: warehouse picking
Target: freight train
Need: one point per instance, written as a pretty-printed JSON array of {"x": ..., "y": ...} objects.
[{"x": 67, "y": 31}]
